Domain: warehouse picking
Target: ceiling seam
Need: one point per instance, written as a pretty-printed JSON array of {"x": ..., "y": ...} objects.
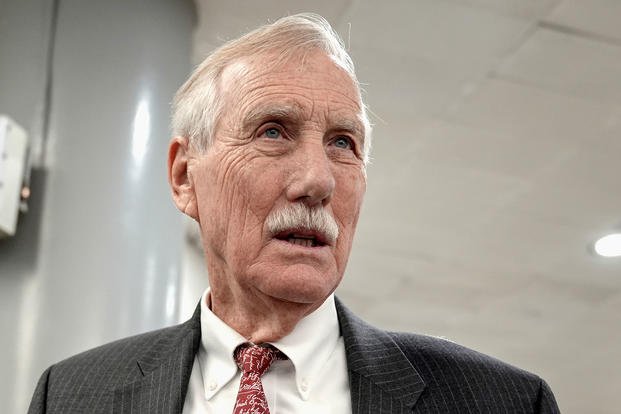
[{"x": 574, "y": 31}]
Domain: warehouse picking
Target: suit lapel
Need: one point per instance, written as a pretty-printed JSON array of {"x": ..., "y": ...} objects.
[
  {"x": 381, "y": 378},
  {"x": 161, "y": 381}
]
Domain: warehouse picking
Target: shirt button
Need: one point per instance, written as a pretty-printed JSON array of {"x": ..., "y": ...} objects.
[
  {"x": 304, "y": 385},
  {"x": 212, "y": 385}
]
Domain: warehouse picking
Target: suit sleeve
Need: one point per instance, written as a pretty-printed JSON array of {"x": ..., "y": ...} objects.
[
  {"x": 546, "y": 403},
  {"x": 38, "y": 403}
]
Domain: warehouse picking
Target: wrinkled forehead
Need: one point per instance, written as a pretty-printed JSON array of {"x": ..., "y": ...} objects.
[
  {"x": 271, "y": 76},
  {"x": 282, "y": 65},
  {"x": 298, "y": 57}
]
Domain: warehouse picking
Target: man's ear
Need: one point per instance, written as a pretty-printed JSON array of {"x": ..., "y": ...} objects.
[{"x": 179, "y": 177}]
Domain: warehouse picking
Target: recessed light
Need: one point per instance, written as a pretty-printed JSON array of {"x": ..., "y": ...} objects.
[{"x": 609, "y": 246}]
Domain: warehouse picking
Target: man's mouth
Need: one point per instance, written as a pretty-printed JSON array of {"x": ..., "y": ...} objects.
[{"x": 303, "y": 238}]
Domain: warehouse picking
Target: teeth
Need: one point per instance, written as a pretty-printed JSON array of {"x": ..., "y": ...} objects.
[{"x": 301, "y": 241}]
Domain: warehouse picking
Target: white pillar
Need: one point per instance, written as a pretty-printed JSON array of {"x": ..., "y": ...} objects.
[{"x": 99, "y": 257}]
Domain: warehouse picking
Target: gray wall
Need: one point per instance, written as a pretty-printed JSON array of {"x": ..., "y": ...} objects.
[{"x": 97, "y": 257}]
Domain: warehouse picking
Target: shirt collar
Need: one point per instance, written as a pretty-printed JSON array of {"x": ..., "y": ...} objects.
[
  {"x": 311, "y": 343},
  {"x": 308, "y": 346},
  {"x": 215, "y": 354}
]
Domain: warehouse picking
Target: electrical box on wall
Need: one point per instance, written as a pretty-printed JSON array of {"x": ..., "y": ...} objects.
[{"x": 13, "y": 147}]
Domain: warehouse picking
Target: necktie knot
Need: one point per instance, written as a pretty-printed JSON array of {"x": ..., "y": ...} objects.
[{"x": 255, "y": 359}]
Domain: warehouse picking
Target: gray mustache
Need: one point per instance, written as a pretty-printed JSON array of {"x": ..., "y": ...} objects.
[{"x": 302, "y": 217}]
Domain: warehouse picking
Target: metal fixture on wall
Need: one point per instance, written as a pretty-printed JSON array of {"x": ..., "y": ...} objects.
[{"x": 13, "y": 168}]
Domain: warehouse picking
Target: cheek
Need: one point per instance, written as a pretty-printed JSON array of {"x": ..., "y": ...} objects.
[
  {"x": 220, "y": 196},
  {"x": 260, "y": 187},
  {"x": 349, "y": 194},
  {"x": 249, "y": 191}
]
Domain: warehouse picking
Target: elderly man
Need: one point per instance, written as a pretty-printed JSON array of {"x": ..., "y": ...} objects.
[{"x": 270, "y": 144}]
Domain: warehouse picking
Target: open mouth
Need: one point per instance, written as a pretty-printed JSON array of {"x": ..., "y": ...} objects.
[{"x": 302, "y": 238}]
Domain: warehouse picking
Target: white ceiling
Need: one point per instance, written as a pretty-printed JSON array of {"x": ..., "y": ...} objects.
[{"x": 496, "y": 162}]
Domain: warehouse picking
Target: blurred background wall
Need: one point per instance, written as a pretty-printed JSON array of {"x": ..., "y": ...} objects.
[
  {"x": 98, "y": 255},
  {"x": 495, "y": 167}
]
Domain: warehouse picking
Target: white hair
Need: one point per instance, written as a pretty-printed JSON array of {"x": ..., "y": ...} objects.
[{"x": 197, "y": 105}]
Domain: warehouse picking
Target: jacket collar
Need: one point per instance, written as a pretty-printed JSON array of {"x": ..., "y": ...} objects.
[
  {"x": 161, "y": 381},
  {"x": 375, "y": 361},
  {"x": 184, "y": 339}
]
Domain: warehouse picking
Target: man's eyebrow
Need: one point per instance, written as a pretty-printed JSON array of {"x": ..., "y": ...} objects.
[
  {"x": 293, "y": 112},
  {"x": 349, "y": 125},
  {"x": 275, "y": 112}
]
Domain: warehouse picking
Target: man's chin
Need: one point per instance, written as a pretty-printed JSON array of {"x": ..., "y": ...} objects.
[{"x": 302, "y": 283}]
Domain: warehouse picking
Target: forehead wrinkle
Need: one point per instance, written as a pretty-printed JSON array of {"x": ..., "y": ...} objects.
[{"x": 257, "y": 85}]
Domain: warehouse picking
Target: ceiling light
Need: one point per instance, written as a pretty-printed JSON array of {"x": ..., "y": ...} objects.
[{"x": 609, "y": 246}]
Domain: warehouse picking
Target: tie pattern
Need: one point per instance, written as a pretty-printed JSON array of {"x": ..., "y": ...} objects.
[{"x": 253, "y": 361}]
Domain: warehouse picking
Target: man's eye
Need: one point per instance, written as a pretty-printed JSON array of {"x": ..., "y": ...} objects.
[
  {"x": 343, "y": 142},
  {"x": 272, "y": 133}
]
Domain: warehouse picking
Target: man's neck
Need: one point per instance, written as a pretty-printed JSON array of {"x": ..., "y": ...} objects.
[{"x": 264, "y": 320}]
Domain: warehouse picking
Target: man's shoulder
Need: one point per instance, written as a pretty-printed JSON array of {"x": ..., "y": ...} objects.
[
  {"x": 91, "y": 378},
  {"x": 452, "y": 369},
  {"x": 119, "y": 350},
  {"x": 118, "y": 362},
  {"x": 446, "y": 365},
  {"x": 441, "y": 373},
  {"x": 444, "y": 353},
  {"x": 430, "y": 354}
]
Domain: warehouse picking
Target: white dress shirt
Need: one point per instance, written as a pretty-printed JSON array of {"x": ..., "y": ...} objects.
[{"x": 313, "y": 379}]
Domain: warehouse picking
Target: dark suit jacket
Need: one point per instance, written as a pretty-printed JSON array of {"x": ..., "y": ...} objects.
[{"x": 388, "y": 373}]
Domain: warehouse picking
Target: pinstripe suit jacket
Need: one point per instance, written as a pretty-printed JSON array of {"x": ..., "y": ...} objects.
[{"x": 388, "y": 373}]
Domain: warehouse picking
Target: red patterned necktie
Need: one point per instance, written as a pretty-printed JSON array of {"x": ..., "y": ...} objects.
[{"x": 253, "y": 361}]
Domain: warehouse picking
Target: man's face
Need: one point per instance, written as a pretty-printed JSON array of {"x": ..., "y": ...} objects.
[{"x": 290, "y": 133}]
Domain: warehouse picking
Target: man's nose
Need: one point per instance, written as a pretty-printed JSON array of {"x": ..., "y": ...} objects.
[{"x": 312, "y": 181}]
